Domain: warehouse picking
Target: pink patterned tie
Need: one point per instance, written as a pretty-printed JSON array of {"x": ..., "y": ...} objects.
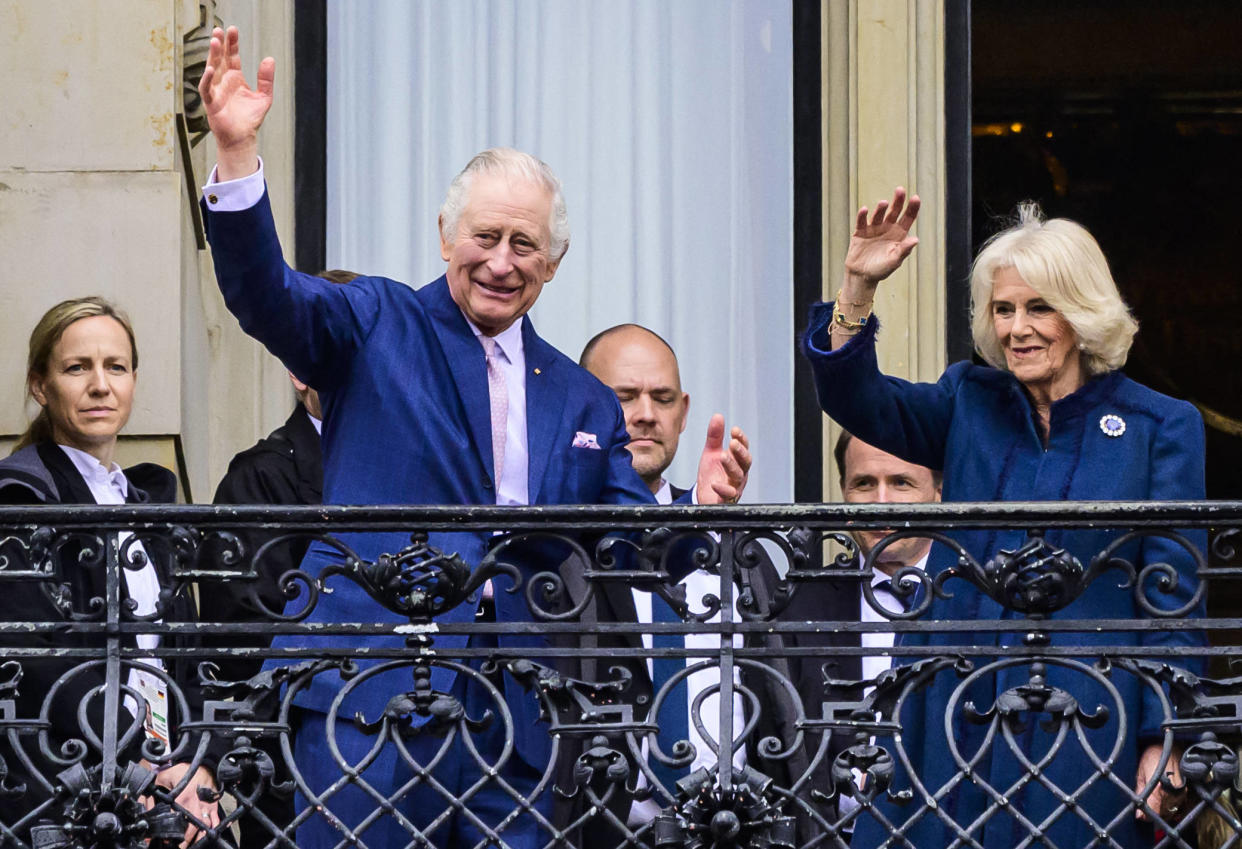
[{"x": 499, "y": 394}]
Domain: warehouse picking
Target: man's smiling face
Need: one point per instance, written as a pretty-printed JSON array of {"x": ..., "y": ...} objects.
[{"x": 499, "y": 257}]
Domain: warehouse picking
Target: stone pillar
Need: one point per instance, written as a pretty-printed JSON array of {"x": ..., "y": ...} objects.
[
  {"x": 883, "y": 108},
  {"x": 93, "y": 200}
]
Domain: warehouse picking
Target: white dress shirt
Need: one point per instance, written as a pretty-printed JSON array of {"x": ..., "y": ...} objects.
[
  {"x": 698, "y": 584},
  {"x": 234, "y": 195},
  {"x": 110, "y": 486},
  {"x": 874, "y": 664}
]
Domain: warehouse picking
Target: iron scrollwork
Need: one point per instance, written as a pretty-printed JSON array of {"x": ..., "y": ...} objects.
[{"x": 792, "y": 771}]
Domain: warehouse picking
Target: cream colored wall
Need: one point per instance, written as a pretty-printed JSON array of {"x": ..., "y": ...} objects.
[
  {"x": 883, "y": 114},
  {"x": 93, "y": 201}
]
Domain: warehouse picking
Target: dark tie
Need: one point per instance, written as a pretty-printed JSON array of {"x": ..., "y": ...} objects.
[
  {"x": 902, "y": 601},
  {"x": 674, "y": 718}
]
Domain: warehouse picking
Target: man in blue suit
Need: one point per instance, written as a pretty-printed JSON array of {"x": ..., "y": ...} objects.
[{"x": 444, "y": 395}]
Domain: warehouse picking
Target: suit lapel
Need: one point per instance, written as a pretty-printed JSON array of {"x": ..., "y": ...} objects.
[
  {"x": 546, "y": 388},
  {"x": 468, "y": 366}
]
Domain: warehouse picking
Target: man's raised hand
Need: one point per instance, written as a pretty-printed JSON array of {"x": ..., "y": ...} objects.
[
  {"x": 723, "y": 470},
  {"x": 234, "y": 110}
]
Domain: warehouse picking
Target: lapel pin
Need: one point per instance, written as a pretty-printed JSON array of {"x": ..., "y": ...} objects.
[
  {"x": 537, "y": 371},
  {"x": 1113, "y": 425}
]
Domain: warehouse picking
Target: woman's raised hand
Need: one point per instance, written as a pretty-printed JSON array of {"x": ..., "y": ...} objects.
[{"x": 881, "y": 240}]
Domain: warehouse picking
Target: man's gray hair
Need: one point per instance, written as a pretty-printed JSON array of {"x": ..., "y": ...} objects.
[{"x": 507, "y": 162}]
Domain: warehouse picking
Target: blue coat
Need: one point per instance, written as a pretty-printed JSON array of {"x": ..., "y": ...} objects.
[
  {"x": 403, "y": 384},
  {"x": 978, "y": 425}
]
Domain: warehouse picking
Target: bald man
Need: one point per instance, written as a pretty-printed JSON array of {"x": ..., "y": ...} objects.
[{"x": 641, "y": 368}]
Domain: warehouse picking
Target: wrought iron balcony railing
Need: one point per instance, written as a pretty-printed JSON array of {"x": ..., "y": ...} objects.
[{"x": 477, "y": 676}]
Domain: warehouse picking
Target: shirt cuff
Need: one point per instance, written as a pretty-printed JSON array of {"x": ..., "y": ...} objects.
[{"x": 234, "y": 195}]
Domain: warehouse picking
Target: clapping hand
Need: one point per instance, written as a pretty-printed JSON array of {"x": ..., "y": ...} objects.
[{"x": 723, "y": 470}]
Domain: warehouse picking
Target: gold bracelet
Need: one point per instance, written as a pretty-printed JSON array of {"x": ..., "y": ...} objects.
[
  {"x": 839, "y": 319},
  {"x": 841, "y": 300}
]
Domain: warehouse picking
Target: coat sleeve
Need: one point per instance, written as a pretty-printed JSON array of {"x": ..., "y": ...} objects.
[
  {"x": 1177, "y": 474},
  {"x": 315, "y": 327},
  {"x": 910, "y": 420}
]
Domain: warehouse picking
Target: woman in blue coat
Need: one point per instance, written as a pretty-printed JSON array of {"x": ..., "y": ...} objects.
[{"x": 1050, "y": 417}]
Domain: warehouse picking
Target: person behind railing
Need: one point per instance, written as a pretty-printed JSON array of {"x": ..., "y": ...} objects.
[
  {"x": 641, "y": 368},
  {"x": 1050, "y": 417},
  {"x": 82, "y": 369},
  {"x": 442, "y": 395},
  {"x": 867, "y": 476},
  {"x": 283, "y": 468}
]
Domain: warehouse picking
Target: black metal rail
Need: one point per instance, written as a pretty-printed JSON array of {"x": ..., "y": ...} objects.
[{"x": 376, "y": 695}]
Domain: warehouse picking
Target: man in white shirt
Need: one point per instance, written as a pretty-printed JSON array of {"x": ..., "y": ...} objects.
[
  {"x": 867, "y": 475},
  {"x": 641, "y": 368}
]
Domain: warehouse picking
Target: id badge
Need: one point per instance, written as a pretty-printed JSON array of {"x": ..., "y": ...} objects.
[{"x": 155, "y": 692}]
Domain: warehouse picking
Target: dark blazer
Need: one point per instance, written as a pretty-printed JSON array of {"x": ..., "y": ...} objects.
[
  {"x": 819, "y": 601},
  {"x": 403, "y": 383},
  {"x": 43, "y": 474},
  {"x": 284, "y": 468}
]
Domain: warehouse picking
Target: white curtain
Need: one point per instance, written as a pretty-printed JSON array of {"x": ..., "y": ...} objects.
[{"x": 669, "y": 123}]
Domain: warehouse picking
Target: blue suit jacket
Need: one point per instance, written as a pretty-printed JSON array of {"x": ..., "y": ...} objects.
[{"x": 403, "y": 383}]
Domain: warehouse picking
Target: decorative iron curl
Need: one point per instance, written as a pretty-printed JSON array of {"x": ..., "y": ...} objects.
[
  {"x": 139, "y": 549},
  {"x": 33, "y": 550},
  {"x": 750, "y": 555},
  {"x": 291, "y": 582},
  {"x": 419, "y": 582},
  {"x": 660, "y": 546},
  {"x": 1165, "y": 576},
  {"x": 683, "y": 751},
  {"x": 802, "y": 547},
  {"x": 1223, "y": 544},
  {"x": 548, "y": 595},
  {"x": 46, "y": 559},
  {"x": 75, "y": 749},
  {"x": 771, "y": 747}
]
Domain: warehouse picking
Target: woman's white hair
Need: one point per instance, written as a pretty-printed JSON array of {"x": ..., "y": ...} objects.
[
  {"x": 513, "y": 164},
  {"x": 1061, "y": 261}
]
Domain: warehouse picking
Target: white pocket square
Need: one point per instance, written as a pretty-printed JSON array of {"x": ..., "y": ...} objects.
[{"x": 586, "y": 440}]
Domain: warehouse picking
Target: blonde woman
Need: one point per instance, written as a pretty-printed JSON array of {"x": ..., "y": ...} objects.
[
  {"x": 81, "y": 369},
  {"x": 1050, "y": 417}
]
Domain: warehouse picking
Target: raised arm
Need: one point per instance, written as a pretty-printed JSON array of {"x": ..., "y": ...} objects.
[
  {"x": 234, "y": 110},
  {"x": 880, "y": 244}
]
